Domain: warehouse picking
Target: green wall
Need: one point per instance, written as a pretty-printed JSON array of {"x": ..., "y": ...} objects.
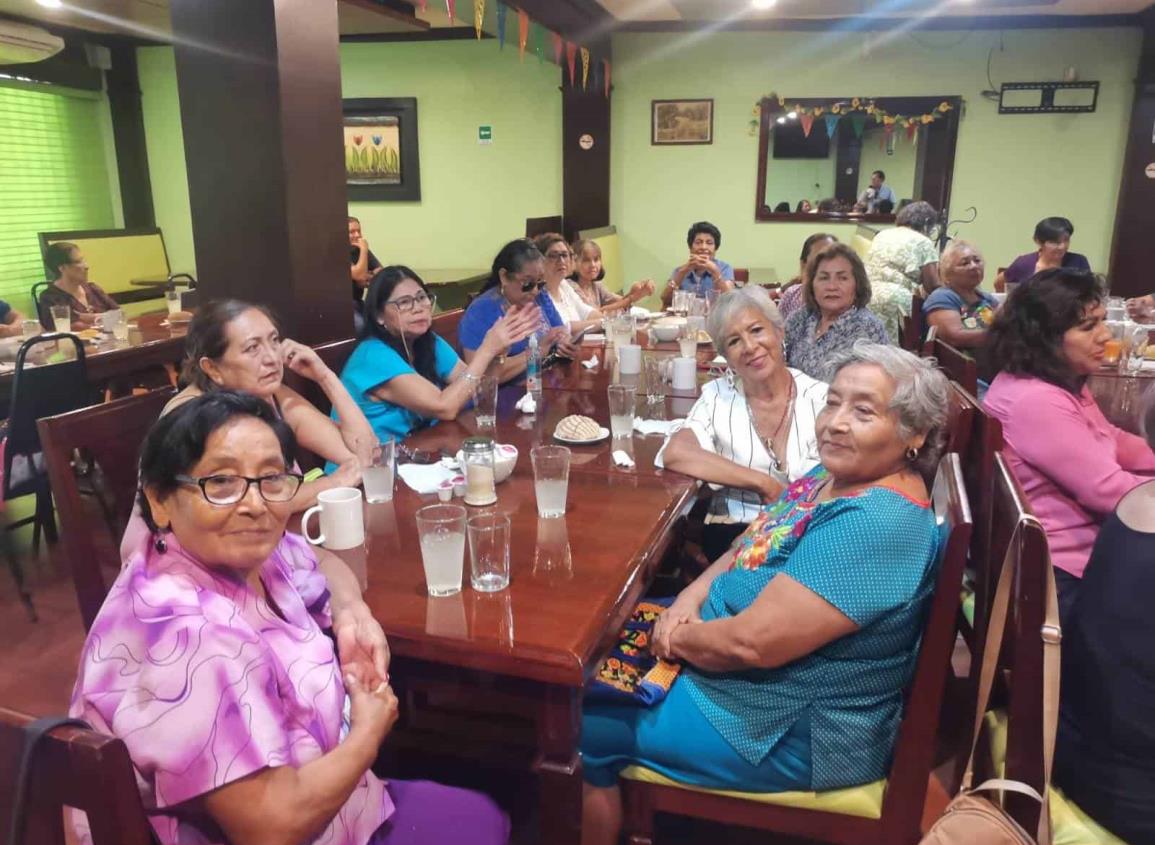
[
  {"x": 1015, "y": 169},
  {"x": 474, "y": 197}
]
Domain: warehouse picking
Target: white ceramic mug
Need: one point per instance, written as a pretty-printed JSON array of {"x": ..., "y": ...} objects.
[
  {"x": 630, "y": 357},
  {"x": 341, "y": 516},
  {"x": 684, "y": 374}
]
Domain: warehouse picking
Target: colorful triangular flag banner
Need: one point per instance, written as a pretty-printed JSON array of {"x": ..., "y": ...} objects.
[
  {"x": 831, "y": 124},
  {"x": 538, "y": 40},
  {"x": 558, "y": 45},
  {"x": 597, "y": 81},
  {"x": 478, "y": 16},
  {"x": 807, "y": 121},
  {"x": 570, "y": 60},
  {"x": 423, "y": 4},
  {"x": 911, "y": 131},
  {"x": 451, "y": 9},
  {"x": 502, "y": 9},
  {"x": 585, "y": 66},
  {"x": 607, "y": 76},
  {"x": 858, "y": 121},
  {"x": 522, "y": 33}
]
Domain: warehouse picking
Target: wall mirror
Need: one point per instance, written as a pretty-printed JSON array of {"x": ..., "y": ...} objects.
[{"x": 827, "y": 172}]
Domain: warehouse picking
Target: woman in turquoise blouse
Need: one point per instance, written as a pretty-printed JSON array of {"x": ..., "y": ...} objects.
[
  {"x": 404, "y": 376},
  {"x": 797, "y": 644}
]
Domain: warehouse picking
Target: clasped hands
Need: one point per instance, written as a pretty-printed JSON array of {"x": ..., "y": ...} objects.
[{"x": 661, "y": 639}]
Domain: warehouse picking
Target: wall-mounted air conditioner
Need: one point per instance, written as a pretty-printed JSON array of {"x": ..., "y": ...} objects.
[{"x": 20, "y": 43}]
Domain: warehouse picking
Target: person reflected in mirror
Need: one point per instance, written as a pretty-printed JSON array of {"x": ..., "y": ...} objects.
[
  {"x": 782, "y": 208},
  {"x": 874, "y": 193},
  {"x": 71, "y": 287},
  {"x": 901, "y": 261},
  {"x": 703, "y": 271},
  {"x": 588, "y": 273},
  {"x": 1053, "y": 250},
  {"x": 790, "y": 297},
  {"x": 836, "y": 293},
  {"x": 804, "y": 207}
]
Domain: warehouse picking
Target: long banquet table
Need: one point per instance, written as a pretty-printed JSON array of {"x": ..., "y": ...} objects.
[{"x": 499, "y": 677}]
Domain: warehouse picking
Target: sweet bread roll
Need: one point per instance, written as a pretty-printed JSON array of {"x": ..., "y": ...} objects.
[{"x": 576, "y": 427}]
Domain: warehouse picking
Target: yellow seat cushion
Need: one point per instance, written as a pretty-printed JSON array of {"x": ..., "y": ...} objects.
[
  {"x": 1070, "y": 825},
  {"x": 864, "y": 801}
]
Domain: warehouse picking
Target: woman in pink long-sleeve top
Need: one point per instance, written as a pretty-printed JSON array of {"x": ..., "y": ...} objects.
[{"x": 1074, "y": 465}]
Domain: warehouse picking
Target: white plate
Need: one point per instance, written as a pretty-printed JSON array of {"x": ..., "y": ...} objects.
[{"x": 603, "y": 433}]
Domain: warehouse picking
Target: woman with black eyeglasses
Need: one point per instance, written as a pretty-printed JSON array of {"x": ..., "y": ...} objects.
[
  {"x": 402, "y": 375},
  {"x": 516, "y": 282}
]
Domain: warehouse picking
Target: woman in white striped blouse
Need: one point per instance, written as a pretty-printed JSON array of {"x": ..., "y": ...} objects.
[{"x": 751, "y": 432}]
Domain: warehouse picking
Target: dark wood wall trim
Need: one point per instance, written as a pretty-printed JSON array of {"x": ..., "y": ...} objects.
[
  {"x": 445, "y": 33},
  {"x": 585, "y": 172},
  {"x": 887, "y": 24},
  {"x": 128, "y": 135},
  {"x": 1133, "y": 248}
]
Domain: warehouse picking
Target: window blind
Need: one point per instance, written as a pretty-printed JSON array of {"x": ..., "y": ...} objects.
[{"x": 53, "y": 177}]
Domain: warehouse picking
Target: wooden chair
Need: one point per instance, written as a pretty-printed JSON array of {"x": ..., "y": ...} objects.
[
  {"x": 897, "y": 817},
  {"x": 111, "y": 435},
  {"x": 71, "y": 767},
  {"x": 959, "y": 366},
  {"x": 914, "y": 326},
  {"x": 741, "y": 275},
  {"x": 445, "y": 324}
]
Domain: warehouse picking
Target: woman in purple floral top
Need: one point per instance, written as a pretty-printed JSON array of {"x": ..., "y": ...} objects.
[
  {"x": 209, "y": 662},
  {"x": 836, "y": 291}
]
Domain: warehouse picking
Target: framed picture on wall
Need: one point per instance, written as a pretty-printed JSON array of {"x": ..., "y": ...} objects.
[
  {"x": 381, "y": 161},
  {"x": 681, "y": 122}
]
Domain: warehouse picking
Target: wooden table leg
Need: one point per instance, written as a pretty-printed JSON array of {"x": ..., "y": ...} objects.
[{"x": 559, "y": 766}]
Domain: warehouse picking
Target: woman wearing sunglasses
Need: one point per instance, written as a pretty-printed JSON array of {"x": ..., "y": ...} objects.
[
  {"x": 402, "y": 375},
  {"x": 516, "y": 282}
]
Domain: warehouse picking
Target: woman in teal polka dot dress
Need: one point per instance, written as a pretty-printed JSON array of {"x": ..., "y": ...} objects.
[{"x": 797, "y": 644}]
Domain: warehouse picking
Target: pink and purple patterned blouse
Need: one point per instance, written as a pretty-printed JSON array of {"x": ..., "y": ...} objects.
[{"x": 206, "y": 683}]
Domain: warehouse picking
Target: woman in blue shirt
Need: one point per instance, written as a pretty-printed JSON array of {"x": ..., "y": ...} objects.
[
  {"x": 516, "y": 281},
  {"x": 798, "y": 643},
  {"x": 402, "y": 375},
  {"x": 703, "y": 271}
]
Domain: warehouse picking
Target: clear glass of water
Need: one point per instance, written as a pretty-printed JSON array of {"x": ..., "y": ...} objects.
[
  {"x": 377, "y": 473},
  {"x": 172, "y": 300},
  {"x": 488, "y": 551},
  {"x": 29, "y": 329},
  {"x": 623, "y": 406},
  {"x": 687, "y": 341},
  {"x": 550, "y": 479},
  {"x": 1116, "y": 308},
  {"x": 62, "y": 318},
  {"x": 652, "y": 378},
  {"x": 485, "y": 401},
  {"x": 441, "y": 531},
  {"x": 1135, "y": 348}
]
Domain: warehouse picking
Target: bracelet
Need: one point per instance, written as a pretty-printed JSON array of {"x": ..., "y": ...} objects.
[{"x": 468, "y": 376}]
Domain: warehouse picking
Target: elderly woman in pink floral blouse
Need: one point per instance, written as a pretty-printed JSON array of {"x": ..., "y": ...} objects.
[{"x": 209, "y": 660}]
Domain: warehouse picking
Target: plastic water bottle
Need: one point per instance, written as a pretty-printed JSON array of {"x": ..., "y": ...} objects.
[{"x": 533, "y": 370}]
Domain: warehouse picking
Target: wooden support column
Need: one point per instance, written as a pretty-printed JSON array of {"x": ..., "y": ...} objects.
[
  {"x": 1133, "y": 249},
  {"x": 260, "y": 95},
  {"x": 128, "y": 135},
  {"x": 585, "y": 172}
]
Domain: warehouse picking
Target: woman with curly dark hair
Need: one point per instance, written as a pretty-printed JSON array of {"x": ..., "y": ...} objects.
[{"x": 1074, "y": 465}]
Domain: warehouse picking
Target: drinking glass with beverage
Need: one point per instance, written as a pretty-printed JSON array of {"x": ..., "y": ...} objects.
[
  {"x": 550, "y": 479},
  {"x": 687, "y": 341},
  {"x": 172, "y": 300},
  {"x": 652, "y": 378},
  {"x": 488, "y": 551},
  {"x": 1134, "y": 351},
  {"x": 62, "y": 318},
  {"x": 485, "y": 401},
  {"x": 377, "y": 472},
  {"x": 441, "y": 532},
  {"x": 29, "y": 329},
  {"x": 623, "y": 404}
]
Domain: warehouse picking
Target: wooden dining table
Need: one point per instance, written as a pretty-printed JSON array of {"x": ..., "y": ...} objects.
[{"x": 498, "y": 678}]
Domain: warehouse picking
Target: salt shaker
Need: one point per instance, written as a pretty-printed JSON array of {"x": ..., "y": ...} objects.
[{"x": 477, "y": 457}]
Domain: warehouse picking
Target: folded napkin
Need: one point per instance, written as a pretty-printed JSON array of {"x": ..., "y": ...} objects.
[
  {"x": 622, "y": 458},
  {"x": 591, "y": 363},
  {"x": 526, "y": 404},
  {"x": 427, "y": 478},
  {"x": 663, "y": 427},
  {"x": 638, "y": 311}
]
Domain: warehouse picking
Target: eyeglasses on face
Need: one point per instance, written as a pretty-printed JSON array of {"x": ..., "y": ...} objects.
[
  {"x": 559, "y": 255},
  {"x": 405, "y": 304},
  {"x": 529, "y": 284},
  {"x": 230, "y": 489}
]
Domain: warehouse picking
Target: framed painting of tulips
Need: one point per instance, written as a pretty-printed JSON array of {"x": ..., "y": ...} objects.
[{"x": 381, "y": 161}]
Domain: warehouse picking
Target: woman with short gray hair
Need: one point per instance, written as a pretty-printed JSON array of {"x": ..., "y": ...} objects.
[
  {"x": 751, "y": 432},
  {"x": 797, "y": 644},
  {"x": 900, "y": 261}
]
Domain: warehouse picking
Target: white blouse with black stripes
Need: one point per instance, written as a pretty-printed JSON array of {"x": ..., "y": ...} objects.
[{"x": 721, "y": 422}]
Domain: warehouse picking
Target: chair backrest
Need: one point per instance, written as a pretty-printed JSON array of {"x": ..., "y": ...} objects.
[
  {"x": 1022, "y": 649},
  {"x": 960, "y": 421},
  {"x": 914, "y": 748},
  {"x": 741, "y": 275},
  {"x": 111, "y": 435},
  {"x": 445, "y": 324},
  {"x": 958, "y": 366},
  {"x": 914, "y": 326},
  {"x": 43, "y": 390},
  {"x": 38, "y": 289},
  {"x": 334, "y": 354},
  {"x": 71, "y": 767}
]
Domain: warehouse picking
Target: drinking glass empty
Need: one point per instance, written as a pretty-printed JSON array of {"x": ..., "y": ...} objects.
[
  {"x": 441, "y": 531},
  {"x": 62, "y": 318},
  {"x": 489, "y": 551},
  {"x": 623, "y": 404},
  {"x": 377, "y": 474},
  {"x": 485, "y": 401},
  {"x": 550, "y": 479},
  {"x": 172, "y": 300},
  {"x": 652, "y": 378}
]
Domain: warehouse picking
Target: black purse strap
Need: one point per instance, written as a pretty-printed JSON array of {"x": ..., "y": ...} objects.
[{"x": 34, "y": 732}]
